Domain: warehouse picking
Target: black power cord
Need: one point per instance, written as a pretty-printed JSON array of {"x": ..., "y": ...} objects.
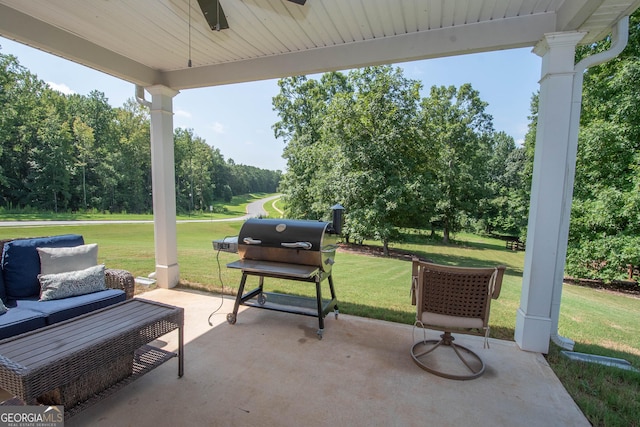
[{"x": 221, "y": 283}]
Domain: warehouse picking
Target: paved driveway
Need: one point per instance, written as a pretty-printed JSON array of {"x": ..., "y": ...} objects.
[{"x": 254, "y": 209}]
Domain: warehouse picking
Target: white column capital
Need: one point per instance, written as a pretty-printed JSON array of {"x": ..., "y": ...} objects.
[
  {"x": 558, "y": 53},
  {"x": 161, "y": 97},
  {"x": 569, "y": 39},
  {"x": 161, "y": 90}
]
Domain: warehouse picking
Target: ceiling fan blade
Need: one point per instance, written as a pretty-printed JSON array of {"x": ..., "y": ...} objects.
[
  {"x": 214, "y": 15},
  {"x": 300, "y": 2}
]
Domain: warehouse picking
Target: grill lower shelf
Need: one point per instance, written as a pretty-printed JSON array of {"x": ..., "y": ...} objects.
[
  {"x": 289, "y": 303},
  {"x": 316, "y": 307}
]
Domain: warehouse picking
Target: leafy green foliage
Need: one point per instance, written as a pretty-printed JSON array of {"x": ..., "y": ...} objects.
[
  {"x": 458, "y": 134},
  {"x": 367, "y": 141},
  {"x": 72, "y": 152},
  {"x": 605, "y": 229}
]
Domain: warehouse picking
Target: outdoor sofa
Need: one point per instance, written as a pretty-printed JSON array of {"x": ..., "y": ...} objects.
[{"x": 47, "y": 280}]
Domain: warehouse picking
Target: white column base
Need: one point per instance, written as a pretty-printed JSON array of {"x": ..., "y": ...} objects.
[
  {"x": 532, "y": 332},
  {"x": 167, "y": 276}
]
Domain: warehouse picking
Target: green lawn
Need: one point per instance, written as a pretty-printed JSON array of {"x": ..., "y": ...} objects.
[
  {"x": 600, "y": 322},
  {"x": 274, "y": 208}
]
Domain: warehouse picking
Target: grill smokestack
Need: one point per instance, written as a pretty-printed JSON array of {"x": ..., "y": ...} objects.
[{"x": 338, "y": 219}]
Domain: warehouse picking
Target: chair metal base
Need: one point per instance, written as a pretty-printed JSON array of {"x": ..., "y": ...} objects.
[{"x": 473, "y": 363}]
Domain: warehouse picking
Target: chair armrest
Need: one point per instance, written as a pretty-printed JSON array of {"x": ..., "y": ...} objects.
[
  {"x": 120, "y": 279},
  {"x": 414, "y": 279}
]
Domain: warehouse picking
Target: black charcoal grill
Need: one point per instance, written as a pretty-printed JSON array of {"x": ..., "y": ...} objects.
[{"x": 289, "y": 249}]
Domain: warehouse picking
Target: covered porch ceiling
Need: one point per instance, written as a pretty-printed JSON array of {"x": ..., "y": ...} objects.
[{"x": 150, "y": 42}]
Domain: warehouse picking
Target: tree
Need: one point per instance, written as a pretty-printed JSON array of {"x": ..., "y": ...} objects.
[
  {"x": 604, "y": 234},
  {"x": 77, "y": 152},
  {"x": 49, "y": 168},
  {"x": 302, "y": 106},
  {"x": 133, "y": 133},
  {"x": 373, "y": 133},
  {"x": 458, "y": 130},
  {"x": 84, "y": 144},
  {"x": 505, "y": 211},
  {"x": 22, "y": 110}
]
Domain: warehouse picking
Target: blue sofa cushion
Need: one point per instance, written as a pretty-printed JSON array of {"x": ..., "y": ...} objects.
[
  {"x": 18, "y": 321},
  {"x": 63, "y": 309},
  {"x": 21, "y": 263},
  {"x": 3, "y": 292}
]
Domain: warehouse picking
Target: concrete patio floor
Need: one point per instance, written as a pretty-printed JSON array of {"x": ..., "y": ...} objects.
[{"x": 270, "y": 369}]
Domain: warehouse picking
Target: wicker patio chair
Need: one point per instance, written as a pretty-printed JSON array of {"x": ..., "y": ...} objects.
[{"x": 452, "y": 299}]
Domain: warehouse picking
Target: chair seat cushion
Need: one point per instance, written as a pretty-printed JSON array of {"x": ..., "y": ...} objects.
[
  {"x": 442, "y": 320},
  {"x": 19, "y": 321},
  {"x": 63, "y": 309}
]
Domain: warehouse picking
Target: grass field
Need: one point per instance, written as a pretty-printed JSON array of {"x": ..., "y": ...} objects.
[{"x": 600, "y": 322}]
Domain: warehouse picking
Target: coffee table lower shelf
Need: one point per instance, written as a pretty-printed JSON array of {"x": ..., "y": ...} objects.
[{"x": 145, "y": 359}]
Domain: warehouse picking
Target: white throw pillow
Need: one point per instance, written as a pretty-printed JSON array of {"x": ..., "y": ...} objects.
[
  {"x": 62, "y": 260},
  {"x": 72, "y": 283}
]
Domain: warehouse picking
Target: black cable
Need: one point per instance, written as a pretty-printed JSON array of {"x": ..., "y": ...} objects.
[{"x": 221, "y": 283}]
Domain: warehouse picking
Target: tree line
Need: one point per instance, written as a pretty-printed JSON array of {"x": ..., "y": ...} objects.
[
  {"x": 66, "y": 153},
  {"x": 368, "y": 140}
]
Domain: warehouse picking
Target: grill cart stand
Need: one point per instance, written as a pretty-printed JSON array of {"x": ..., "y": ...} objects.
[{"x": 281, "y": 302}]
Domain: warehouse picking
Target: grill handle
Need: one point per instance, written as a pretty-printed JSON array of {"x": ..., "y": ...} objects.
[
  {"x": 250, "y": 241},
  {"x": 297, "y": 245}
]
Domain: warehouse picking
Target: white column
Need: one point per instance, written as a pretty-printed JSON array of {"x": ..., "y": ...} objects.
[
  {"x": 164, "y": 191},
  {"x": 546, "y": 237}
]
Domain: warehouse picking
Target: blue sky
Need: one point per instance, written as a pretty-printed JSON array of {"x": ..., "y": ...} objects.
[{"x": 237, "y": 119}]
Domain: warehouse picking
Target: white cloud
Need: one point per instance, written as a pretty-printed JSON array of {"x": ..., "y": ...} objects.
[
  {"x": 60, "y": 87},
  {"x": 183, "y": 113},
  {"x": 218, "y": 127}
]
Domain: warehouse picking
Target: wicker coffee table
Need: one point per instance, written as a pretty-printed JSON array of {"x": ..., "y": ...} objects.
[{"x": 106, "y": 342}]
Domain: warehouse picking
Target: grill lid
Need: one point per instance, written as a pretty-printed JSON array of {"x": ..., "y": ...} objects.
[
  {"x": 290, "y": 241},
  {"x": 283, "y": 233}
]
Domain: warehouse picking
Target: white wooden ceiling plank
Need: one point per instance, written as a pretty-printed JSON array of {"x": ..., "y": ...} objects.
[
  {"x": 448, "y": 14},
  {"x": 461, "y": 13},
  {"x": 486, "y": 12},
  {"x": 396, "y": 17},
  {"x": 377, "y": 14},
  {"x": 500, "y": 9},
  {"x": 474, "y": 10},
  {"x": 513, "y": 9},
  {"x": 342, "y": 13},
  {"x": 541, "y": 6},
  {"x": 277, "y": 17},
  {"x": 417, "y": 16},
  {"x": 435, "y": 14},
  {"x": 358, "y": 16},
  {"x": 389, "y": 19},
  {"x": 244, "y": 26},
  {"x": 325, "y": 26},
  {"x": 313, "y": 27}
]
